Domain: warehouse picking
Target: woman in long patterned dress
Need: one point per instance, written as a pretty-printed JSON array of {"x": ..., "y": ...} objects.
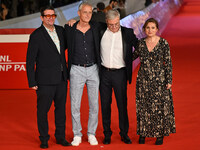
[{"x": 154, "y": 103}]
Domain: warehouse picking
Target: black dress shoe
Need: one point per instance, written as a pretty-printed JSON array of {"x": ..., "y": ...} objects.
[
  {"x": 126, "y": 139},
  {"x": 107, "y": 140},
  {"x": 63, "y": 142},
  {"x": 159, "y": 141},
  {"x": 44, "y": 144},
  {"x": 142, "y": 140}
]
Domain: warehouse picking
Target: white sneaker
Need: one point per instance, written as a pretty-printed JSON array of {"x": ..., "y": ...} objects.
[
  {"x": 92, "y": 140},
  {"x": 76, "y": 141}
]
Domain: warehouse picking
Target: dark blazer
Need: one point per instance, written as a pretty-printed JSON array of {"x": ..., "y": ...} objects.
[
  {"x": 129, "y": 41},
  {"x": 70, "y": 38},
  {"x": 43, "y": 52}
]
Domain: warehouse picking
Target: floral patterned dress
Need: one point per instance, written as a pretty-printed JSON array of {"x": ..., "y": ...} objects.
[{"x": 154, "y": 103}]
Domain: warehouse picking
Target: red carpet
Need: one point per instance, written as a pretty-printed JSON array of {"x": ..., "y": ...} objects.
[{"x": 18, "y": 128}]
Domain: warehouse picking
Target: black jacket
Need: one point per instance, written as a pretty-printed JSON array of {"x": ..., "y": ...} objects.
[{"x": 43, "y": 52}]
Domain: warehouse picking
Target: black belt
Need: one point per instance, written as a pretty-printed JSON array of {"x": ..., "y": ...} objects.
[
  {"x": 112, "y": 69},
  {"x": 84, "y": 65}
]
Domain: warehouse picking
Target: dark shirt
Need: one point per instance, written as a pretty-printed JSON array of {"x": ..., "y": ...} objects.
[{"x": 84, "y": 52}]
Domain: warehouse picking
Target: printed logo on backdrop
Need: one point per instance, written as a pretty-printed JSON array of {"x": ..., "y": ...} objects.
[
  {"x": 13, "y": 49},
  {"x": 6, "y": 64}
]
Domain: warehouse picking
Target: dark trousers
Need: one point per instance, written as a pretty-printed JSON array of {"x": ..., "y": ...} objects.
[
  {"x": 45, "y": 95},
  {"x": 114, "y": 80}
]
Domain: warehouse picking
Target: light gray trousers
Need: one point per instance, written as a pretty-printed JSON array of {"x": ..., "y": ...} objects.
[{"x": 79, "y": 76}]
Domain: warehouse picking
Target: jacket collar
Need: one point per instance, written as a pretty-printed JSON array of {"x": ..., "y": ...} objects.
[{"x": 48, "y": 38}]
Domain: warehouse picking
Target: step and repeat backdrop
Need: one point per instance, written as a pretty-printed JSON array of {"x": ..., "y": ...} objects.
[
  {"x": 13, "y": 47},
  {"x": 14, "y": 42}
]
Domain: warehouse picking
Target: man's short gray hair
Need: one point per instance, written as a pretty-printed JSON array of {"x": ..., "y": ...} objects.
[
  {"x": 112, "y": 14},
  {"x": 85, "y": 3}
]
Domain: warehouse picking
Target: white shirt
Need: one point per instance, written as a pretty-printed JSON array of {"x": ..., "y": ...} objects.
[
  {"x": 112, "y": 50},
  {"x": 54, "y": 37}
]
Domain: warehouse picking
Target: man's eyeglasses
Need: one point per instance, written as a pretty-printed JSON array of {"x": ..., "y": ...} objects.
[
  {"x": 50, "y": 16},
  {"x": 114, "y": 25}
]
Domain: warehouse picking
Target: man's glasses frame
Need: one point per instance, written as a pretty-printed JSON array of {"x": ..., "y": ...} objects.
[
  {"x": 116, "y": 25},
  {"x": 48, "y": 16}
]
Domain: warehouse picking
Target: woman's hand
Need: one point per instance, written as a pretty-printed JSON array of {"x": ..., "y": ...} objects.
[
  {"x": 168, "y": 86},
  {"x": 35, "y": 87}
]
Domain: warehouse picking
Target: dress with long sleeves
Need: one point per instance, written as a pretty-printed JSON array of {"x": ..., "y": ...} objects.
[{"x": 154, "y": 103}]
